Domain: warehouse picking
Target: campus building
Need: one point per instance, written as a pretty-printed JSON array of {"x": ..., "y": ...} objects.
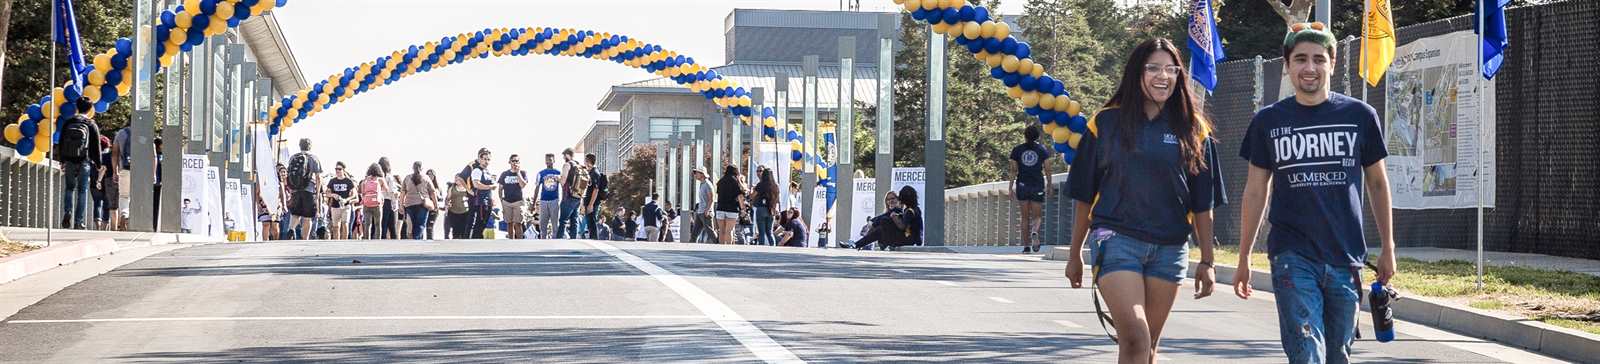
[{"x": 601, "y": 140}]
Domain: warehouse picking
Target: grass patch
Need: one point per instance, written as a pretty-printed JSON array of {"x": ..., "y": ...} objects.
[
  {"x": 1559, "y": 298},
  {"x": 9, "y": 248}
]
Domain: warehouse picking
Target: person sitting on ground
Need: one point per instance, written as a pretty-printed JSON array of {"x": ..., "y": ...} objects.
[
  {"x": 887, "y": 228},
  {"x": 911, "y": 217},
  {"x": 793, "y": 233}
]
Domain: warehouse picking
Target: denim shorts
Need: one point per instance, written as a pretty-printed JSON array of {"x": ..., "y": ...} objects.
[{"x": 1116, "y": 252}]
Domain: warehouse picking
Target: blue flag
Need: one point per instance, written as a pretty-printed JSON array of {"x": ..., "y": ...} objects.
[
  {"x": 1495, "y": 40},
  {"x": 67, "y": 35},
  {"x": 1205, "y": 47}
]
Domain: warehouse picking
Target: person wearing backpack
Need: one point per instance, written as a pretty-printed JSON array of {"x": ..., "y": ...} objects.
[
  {"x": 458, "y": 194},
  {"x": 305, "y": 185},
  {"x": 575, "y": 185},
  {"x": 372, "y": 190},
  {"x": 78, "y": 150},
  {"x": 593, "y": 196},
  {"x": 419, "y": 200},
  {"x": 481, "y": 181},
  {"x": 653, "y": 218}
]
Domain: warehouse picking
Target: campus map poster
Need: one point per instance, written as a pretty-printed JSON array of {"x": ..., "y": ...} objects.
[{"x": 1432, "y": 125}]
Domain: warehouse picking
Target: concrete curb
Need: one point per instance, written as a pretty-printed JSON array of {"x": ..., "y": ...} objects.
[
  {"x": 21, "y": 265},
  {"x": 1539, "y": 337}
]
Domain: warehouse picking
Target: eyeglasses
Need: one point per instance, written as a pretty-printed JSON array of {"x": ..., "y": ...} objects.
[
  {"x": 1170, "y": 70},
  {"x": 515, "y": 161}
]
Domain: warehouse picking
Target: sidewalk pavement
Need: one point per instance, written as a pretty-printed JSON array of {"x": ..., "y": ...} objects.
[
  {"x": 59, "y": 248},
  {"x": 1502, "y": 259}
]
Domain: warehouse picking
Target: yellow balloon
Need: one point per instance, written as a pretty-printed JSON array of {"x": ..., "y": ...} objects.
[
  {"x": 41, "y": 141},
  {"x": 899, "y": 2},
  {"x": 217, "y": 27},
  {"x": 941, "y": 27},
  {"x": 1010, "y": 63},
  {"x": 1061, "y": 103},
  {"x": 224, "y": 12},
  {"x": 1050, "y": 129},
  {"x": 995, "y": 59},
  {"x": 37, "y": 156},
  {"x": 58, "y": 96},
  {"x": 1015, "y": 92},
  {"x": 930, "y": 4},
  {"x": 987, "y": 29},
  {"x": 972, "y": 30},
  {"x": 102, "y": 62},
  {"x": 177, "y": 37},
  {"x": 956, "y": 29},
  {"x": 191, "y": 5},
  {"x": 92, "y": 93},
  {"x": 184, "y": 20},
  {"x": 1074, "y": 139},
  {"x": 744, "y": 101},
  {"x": 1030, "y": 99},
  {"x": 982, "y": 55},
  {"x": 1047, "y": 102},
  {"x": 770, "y": 122},
  {"x": 46, "y": 129},
  {"x": 1025, "y": 66},
  {"x": 1073, "y": 107},
  {"x": 13, "y": 133},
  {"x": 1002, "y": 30},
  {"x": 1060, "y": 135}
]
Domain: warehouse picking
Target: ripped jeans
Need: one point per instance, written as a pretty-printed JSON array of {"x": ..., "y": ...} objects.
[{"x": 1317, "y": 306}]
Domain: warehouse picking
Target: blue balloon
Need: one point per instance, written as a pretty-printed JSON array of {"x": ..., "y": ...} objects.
[
  {"x": 1009, "y": 46},
  {"x": 980, "y": 14},
  {"x": 25, "y": 145},
  {"x": 973, "y": 46},
  {"x": 208, "y": 7},
  {"x": 1033, "y": 111},
  {"x": 163, "y": 32},
  {"x": 168, "y": 17},
  {"x": 1029, "y": 83},
  {"x": 991, "y": 45},
  {"x": 105, "y": 103},
  {"x": 1012, "y": 80},
  {"x": 281, "y": 3},
  {"x": 1023, "y": 50},
  {"x": 1069, "y": 154},
  {"x": 241, "y": 11},
  {"x": 793, "y": 135},
  {"x": 997, "y": 73},
  {"x": 197, "y": 35},
  {"x": 964, "y": 41},
  {"x": 34, "y": 112},
  {"x": 113, "y": 78},
  {"x": 796, "y": 155},
  {"x": 29, "y": 128},
  {"x": 68, "y": 108},
  {"x": 118, "y": 63},
  {"x": 919, "y": 14},
  {"x": 233, "y": 22},
  {"x": 72, "y": 93},
  {"x": 951, "y": 16},
  {"x": 1078, "y": 124},
  {"x": 967, "y": 13}
]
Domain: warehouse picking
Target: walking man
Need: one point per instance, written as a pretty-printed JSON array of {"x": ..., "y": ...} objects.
[
  {"x": 305, "y": 182},
  {"x": 1312, "y": 156},
  {"x": 652, "y": 215},
  {"x": 341, "y": 196},
  {"x": 482, "y": 183},
  {"x": 573, "y": 188},
  {"x": 549, "y": 197},
  {"x": 1032, "y": 185},
  {"x": 593, "y": 196},
  {"x": 512, "y": 182},
  {"x": 79, "y": 151},
  {"x": 701, "y": 231}
]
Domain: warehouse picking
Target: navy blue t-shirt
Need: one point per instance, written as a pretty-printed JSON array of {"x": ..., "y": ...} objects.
[
  {"x": 1030, "y": 158},
  {"x": 511, "y": 185},
  {"x": 1316, "y": 155},
  {"x": 1144, "y": 191}
]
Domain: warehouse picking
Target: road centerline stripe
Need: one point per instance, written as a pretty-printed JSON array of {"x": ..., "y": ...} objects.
[{"x": 748, "y": 335}]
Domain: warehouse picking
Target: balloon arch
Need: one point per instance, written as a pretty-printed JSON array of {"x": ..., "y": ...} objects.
[{"x": 187, "y": 25}]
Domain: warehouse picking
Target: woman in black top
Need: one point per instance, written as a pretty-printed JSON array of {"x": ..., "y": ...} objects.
[
  {"x": 765, "y": 205},
  {"x": 793, "y": 232},
  {"x": 909, "y": 220},
  {"x": 729, "y": 191},
  {"x": 882, "y": 228}
]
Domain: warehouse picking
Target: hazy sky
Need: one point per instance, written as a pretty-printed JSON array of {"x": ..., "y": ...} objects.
[{"x": 526, "y": 105}]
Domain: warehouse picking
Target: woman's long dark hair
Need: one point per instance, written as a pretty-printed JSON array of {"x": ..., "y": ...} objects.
[
  {"x": 768, "y": 187},
  {"x": 908, "y": 198},
  {"x": 416, "y": 173},
  {"x": 1184, "y": 117}
]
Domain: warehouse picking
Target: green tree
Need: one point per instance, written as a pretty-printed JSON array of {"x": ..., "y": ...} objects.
[
  {"x": 631, "y": 185},
  {"x": 27, "y": 53}
]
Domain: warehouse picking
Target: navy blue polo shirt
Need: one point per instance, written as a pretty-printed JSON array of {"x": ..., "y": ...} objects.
[
  {"x": 1317, "y": 155},
  {"x": 1144, "y": 190}
]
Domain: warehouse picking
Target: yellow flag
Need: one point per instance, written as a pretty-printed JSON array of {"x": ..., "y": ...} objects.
[{"x": 1377, "y": 41}]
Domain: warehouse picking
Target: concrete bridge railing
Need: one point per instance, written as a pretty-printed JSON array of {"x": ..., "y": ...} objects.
[
  {"x": 30, "y": 193},
  {"x": 987, "y": 214}
]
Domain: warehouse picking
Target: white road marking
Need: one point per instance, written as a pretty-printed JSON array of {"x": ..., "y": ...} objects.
[
  {"x": 362, "y": 318},
  {"x": 748, "y": 334},
  {"x": 948, "y": 283},
  {"x": 1069, "y": 324},
  {"x": 902, "y": 271},
  {"x": 1000, "y": 300}
]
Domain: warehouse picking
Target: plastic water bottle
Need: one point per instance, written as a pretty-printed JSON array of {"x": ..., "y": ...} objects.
[{"x": 1382, "y": 314}]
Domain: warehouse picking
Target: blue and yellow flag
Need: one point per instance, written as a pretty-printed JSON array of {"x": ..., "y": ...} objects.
[
  {"x": 66, "y": 25},
  {"x": 1205, "y": 47}
]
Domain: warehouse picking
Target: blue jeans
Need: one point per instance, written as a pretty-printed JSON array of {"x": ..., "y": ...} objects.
[
  {"x": 588, "y": 221},
  {"x": 568, "y": 225},
  {"x": 419, "y": 220},
  {"x": 76, "y": 180},
  {"x": 1317, "y": 306},
  {"x": 764, "y": 227},
  {"x": 1124, "y": 253}
]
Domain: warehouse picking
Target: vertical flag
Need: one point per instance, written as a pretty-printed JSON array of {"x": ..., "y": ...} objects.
[
  {"x": 67, "y": 35},
  {"x": 1205, "y": 47},
  {"x": 1377, "y": 41},
  {"x": 1494, "y": 36}
]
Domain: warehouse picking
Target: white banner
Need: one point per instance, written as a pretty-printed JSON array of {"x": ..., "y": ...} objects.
[
  {"x": 267, "y": 173},
  {"x": 193, "y": 193},
  {"x": 1433, "y": 128},
  {"x": 819, "y": 203},
  {"x": 250, "y": 227},
  {"x": 236, "y": 218},
  {"x": 215, "y": 227},
  {"x": 775, "y": 156},
  {"x": 865, "y": 194}
]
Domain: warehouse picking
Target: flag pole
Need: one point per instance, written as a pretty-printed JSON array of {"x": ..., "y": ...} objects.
[
  {"x": 1477, "y": 175},
  {"x": 49, "y": 233}
]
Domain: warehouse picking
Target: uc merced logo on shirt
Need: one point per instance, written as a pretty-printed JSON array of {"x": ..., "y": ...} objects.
[
  {"x": 1030, "y": 158},
  {"x": 1169, "y": 139}
]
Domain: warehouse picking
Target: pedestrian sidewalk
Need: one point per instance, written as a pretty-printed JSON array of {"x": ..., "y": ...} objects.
[
  {"x": 1502, "y": 259},
  {"x": 59, "y": 248}
]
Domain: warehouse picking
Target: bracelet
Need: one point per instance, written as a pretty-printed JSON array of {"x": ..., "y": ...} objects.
[{"x": 1207, "y": 264}]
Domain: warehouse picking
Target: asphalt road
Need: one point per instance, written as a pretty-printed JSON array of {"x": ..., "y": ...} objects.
[{"x": 581, "y": 302}]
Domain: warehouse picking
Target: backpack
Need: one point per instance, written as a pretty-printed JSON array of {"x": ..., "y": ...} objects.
[
  {"x": 580, "y": 182},
  {"x": 370, "y": 193},
  {"x": 600, "y": 187},
  {"x": 75, "y": 138},
  {"x": 299, "y": 177}
]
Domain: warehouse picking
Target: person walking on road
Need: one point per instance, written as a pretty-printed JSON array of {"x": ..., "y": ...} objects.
[
  {"x": 341, "y": 197},
  {"x": 372, "y": 190},
  {"x": 1144, "y": 171},
  {"x": 549, "y": 181},
  {"x": 388, "y": 218},
  {"x": 654, "y": 218},
  {"x": 477, "y": 175},
  {"x": 419, "y": 199},
  {"x": 78, "y": 149},
  {"x": 1316, "y": 244},
  {"x": 702, "y": 231},
  {"x": 458, "y": 197},
  {"x": 572, "y": 188},
  {"x": 438, "y": 204},
  {"x": 729, "y": 192},
  {"x": 1032, "y": 185},
  {"x": 593, "y": 197},
  {"x": 305, "y": 183},
  {"x": 515, "y": 208}
]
